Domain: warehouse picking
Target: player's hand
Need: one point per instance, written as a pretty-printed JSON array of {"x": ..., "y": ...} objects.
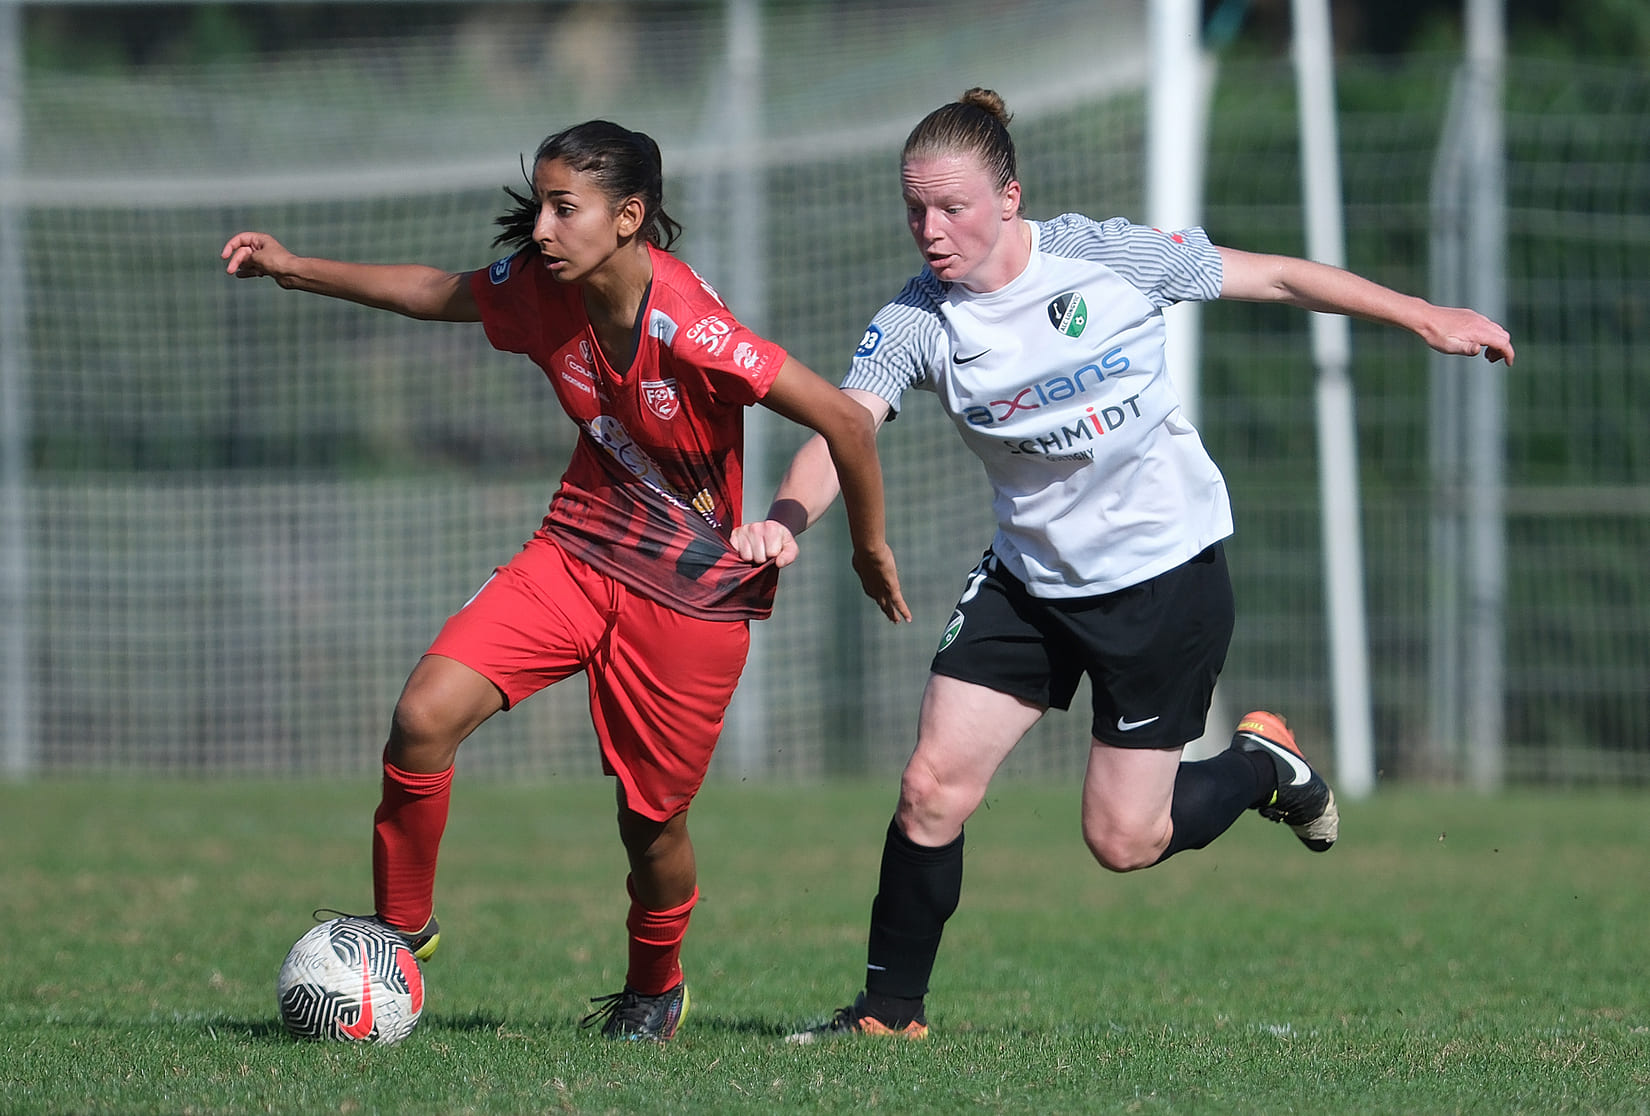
[
  {"x": 880, "y": 580},
  {"x": 766, "y": 541},
  {"x": 255, "y": 254},
  {"x": 1463, "y": 332}
]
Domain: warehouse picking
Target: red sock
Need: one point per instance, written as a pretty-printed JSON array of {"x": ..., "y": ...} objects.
[
  {"x": 656, "y": 944},
  {"x": 406, "y": 835}
]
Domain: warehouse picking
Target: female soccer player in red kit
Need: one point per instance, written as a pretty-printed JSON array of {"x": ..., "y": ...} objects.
[{"x": 630, "y": 578}]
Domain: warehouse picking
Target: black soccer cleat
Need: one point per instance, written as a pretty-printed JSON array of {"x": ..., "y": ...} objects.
[
  {"x": 423, "y": 942},
  {"x": 856, "y": 1019},
  {"x": 633, "y": 1017},
  {"x": 1303, "y": 801}
]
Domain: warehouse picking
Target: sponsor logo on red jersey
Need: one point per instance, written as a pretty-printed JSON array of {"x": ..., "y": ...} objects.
[
  {"x": 577, "y": 375},
  {"x": 712, "y": 332},
  {"x": 746, "y": 355},
  {"x": 661, "y": 326}
]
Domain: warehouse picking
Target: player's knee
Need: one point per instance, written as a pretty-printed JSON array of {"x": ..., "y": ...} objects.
[
  {"x": 932, "y": 811},
  {"x": 441, "y": 704},
  {"x": 421, "y": 729},
  {"x": 919, "y": 791},
  {"x": 646, "y": 838},
  {"x": 923, "y": 799},
  {"x": 1120, "y": 850}
]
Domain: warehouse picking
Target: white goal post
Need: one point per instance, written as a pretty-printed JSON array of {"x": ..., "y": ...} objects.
[
  {"x": 16, "y": 719},
  {"x": 1340, "y": 504},
  {"x": 1178, "y": 137}
]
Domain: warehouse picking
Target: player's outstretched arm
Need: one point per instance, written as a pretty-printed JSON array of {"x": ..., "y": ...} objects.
[
  {"x": 805, "y": 493},
  {"x": 1253, "y": 277},
  {"x": 427, "y": 293},
  {"x": 843, "y": 455}
]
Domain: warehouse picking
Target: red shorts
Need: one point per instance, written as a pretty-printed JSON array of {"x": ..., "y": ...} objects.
[{"x": 660, "y": 682}]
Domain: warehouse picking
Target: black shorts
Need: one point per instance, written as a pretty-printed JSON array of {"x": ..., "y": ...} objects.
[{"x": 1152, "y": 651}]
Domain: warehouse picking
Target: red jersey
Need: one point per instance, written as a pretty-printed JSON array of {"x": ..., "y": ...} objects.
[{"x": 655, "y": 486}]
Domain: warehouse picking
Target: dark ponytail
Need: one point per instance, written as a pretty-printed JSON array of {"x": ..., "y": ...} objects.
[{"x": 624, "y": 164}]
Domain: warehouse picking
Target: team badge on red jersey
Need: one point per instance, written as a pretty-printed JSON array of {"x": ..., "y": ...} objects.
[{"x": 661, "y": 398}]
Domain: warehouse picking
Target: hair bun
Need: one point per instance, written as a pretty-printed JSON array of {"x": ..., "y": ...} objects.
[{"x": 988, "y": 101}]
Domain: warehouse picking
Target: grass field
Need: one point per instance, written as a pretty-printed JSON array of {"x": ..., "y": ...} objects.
[{"x": 1452, "y": 954}]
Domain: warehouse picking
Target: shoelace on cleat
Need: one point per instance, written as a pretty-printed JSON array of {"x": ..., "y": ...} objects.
[
  {"x": 415, "y": 942},
  {"x": 617, "y": 1009}
]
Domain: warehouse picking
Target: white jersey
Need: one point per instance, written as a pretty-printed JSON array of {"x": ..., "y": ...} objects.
[{"x": 1056, "y": 382}]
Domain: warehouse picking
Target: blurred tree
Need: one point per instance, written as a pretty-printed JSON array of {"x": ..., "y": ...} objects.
[
  {"x": 1597, "y": 29},
  {"x": 96, "y": 36},
  {"x": 81, "y": 36}
]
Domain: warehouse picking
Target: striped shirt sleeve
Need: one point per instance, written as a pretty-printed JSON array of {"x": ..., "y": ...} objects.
[
  {"x": 903, "y": 341},
  {"x": 1167, "y": 267}
]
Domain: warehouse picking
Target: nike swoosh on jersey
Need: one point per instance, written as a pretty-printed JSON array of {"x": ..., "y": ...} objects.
[
  {"x": 1130, "y": 726},
  {"x": 957, "y": 359},
  {"x": 1303, "y": 773}
]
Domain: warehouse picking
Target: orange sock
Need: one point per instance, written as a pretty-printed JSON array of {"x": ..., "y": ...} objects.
[
  {"x": 406, "y": 835},
  {"x": 656, "y": 944}
]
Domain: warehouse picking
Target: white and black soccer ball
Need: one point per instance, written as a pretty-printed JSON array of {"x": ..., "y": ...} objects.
[{"x": 351, "y": 980}]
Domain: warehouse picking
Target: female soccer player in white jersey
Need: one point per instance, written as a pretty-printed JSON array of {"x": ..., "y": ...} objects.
[
  {"x": 631, "y": 578},
  {"x": 1044, "y": 342}
]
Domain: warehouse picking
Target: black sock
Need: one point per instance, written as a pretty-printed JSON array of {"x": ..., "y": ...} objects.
[
  {"x": 917, "y": 891},
  {"x": 894, "y": 1011},
  {"x": 1211, "y": 794},
  {"x": 1266, "y": 777}
]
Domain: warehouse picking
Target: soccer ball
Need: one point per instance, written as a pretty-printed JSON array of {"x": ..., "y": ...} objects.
[{"x": 351, "y": 980}]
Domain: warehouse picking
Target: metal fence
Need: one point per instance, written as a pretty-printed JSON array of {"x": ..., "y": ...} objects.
[{"x": 244, "y": 512}]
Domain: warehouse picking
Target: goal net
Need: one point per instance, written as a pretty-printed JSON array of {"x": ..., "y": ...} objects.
[{"x": 249, "y": 510}]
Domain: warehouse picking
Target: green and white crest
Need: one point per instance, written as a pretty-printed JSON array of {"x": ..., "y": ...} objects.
[{"x": 1069, "y": 314}]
